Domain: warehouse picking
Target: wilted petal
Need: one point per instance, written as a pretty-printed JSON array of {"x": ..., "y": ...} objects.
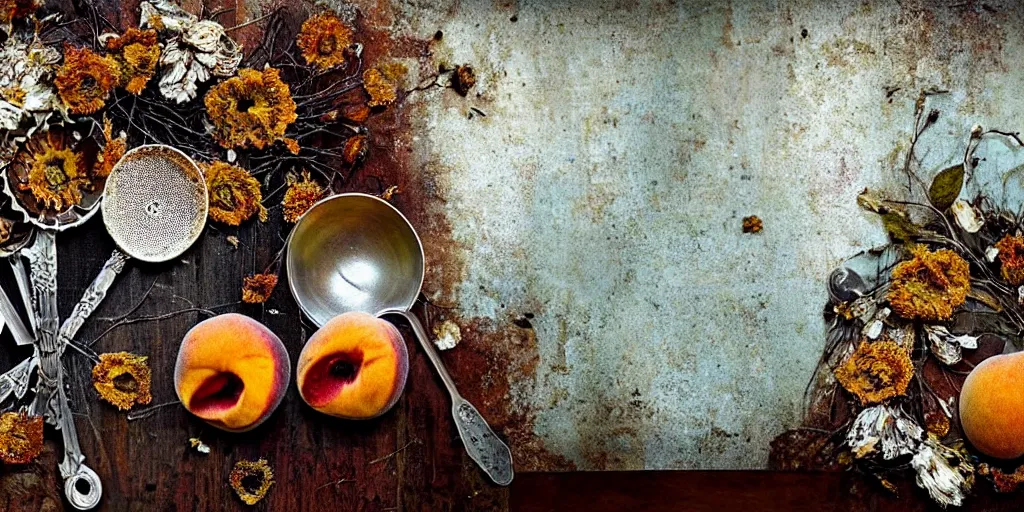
[
  {"x": 886, "y": 430},
  {"x": 945, "y": 473},
  {"x": 967, "y": 217}
]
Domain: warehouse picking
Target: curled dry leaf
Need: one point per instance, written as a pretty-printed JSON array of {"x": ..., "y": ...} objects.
[{"x": 946, "y": 187}]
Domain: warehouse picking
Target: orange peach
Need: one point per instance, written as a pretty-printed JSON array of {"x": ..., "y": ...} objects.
[
  {"x": 354, "y": 367},
  {"x": 232, "y": 372},
  {"x": 992, "y": 406}
]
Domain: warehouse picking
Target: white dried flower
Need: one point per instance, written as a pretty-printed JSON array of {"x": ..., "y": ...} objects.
[
  {"x": 447, "y": 335},
  {"x": 967, "y": 217},
  {"x": 946, "y": 474},
  {"x": 990, "y": 254},
  {"x": 886, "y": 430},
  {"x": 26, "y": 82},
  {"x": 947, "y": 346}
]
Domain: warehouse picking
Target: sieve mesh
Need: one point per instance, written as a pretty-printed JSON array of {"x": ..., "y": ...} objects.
[{"x": 155, "y": 203}]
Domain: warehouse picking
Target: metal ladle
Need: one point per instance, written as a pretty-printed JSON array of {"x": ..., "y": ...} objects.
[{"x": 356, "y": 252}]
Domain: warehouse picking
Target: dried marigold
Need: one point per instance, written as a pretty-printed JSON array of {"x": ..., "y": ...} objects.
[
  {"x": 112, "y": 151},
  {"x": 1011, "y": 258},
  {"x": 300, "y": 196},
  {"x": 234, "y": 194},
  {"x": 21, "y": 437},
  {"x": 123, "y": 379},
  {"x": 256, "y": 289},
  {"x": 381, "y": 89},
  {"x": 251, "y": 109},
  {"x": 323, "y": 40},
  {"x": 55, "y": 174},
  {"x": 136, "y": 53},
  {"x": 876, "y": 371},
  {"x": 85, "y": 80},
  {"x": 929, "y": 285},
  {"x": 251, "y": 480}
]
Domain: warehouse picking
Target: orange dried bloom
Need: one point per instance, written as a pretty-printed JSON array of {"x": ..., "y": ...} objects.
[
  {"x": 85, "y": 79},
  {"x": 323, "y": 40},
  {"x": 929, "y": 285},
  {"x": 381, "y": 89},
  {"x": 1001, "y": 480},
  {"x": 752, "y": 224},
  {"x": 251, "y": 480},
  {"x": 55, "y": 174},
  {"x": 21, "y": 437},
  {"x": 251, "y": 109},
  {"x": 112, "y": 152},
  {"x": 136, "y": 53},
  {"x": 355, "y": 151},
  {"x": 1011, "y": 258},
  {"x": 301, "y": 196},
  {"x": 256, "y": 289},
  {"x": 234, "y": 194},
  {"x": 123, "y": 379},
  {"x": 13, "y": 9},
  {"x": 876, "y": 371}
]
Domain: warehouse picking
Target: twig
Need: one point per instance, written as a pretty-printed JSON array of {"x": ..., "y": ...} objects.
[
  {"x": 135, "y": 320},
  {"x": 336, "y": 483},
  {"x": 392, "y": 454}
]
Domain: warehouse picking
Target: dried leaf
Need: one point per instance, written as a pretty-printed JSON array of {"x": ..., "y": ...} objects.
[
  {"x": 946, "y": 187},
  {"x": 899, "y": 226}
]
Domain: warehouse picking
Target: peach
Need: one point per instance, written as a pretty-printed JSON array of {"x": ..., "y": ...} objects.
[
  {"x": 354, "y": 367},
  {"x": 992, "y": 406},
  {"x": 231, "y": 372}
]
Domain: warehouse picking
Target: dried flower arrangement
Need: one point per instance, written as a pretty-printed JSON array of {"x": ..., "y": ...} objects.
[{"x": 908, "y": 323}]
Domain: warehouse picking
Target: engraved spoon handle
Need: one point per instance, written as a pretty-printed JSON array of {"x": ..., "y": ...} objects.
[
  {"x": 93, "y": 295},
  {"x": 482, "y": 445}
]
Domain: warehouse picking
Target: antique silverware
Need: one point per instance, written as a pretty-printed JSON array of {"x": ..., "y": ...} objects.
[{"x": 356, "y": 252}]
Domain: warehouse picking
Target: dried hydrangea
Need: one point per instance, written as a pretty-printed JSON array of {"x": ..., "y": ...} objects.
[
  {"x": 21, "y": 437},
  {"x": 876, "y": 371},
  {"x": 1011, "y": 258},
  {"x": 251, "y": 480},
  {"x": 56, "y": 174},
  {"x": 324, "y": 39},
  {"x": 136, "y": 53},
  {"x": 85, "y": 80},
  {"x": 300, "y": 196},
  {"x": 194, "y": 52},
  {"x": 257, "y": 288},
  {"x": 252, "y": 109},
  {"x": 122, "y": 379},
  {"x": 883, "y": 430},
  {"x": 945, "y": 473},
  {"x": 930, "y": 285},
  {"x": 26, "y": 82},
  {"x": 382, "y": 90},
  {"x": 235, "y": 195}
]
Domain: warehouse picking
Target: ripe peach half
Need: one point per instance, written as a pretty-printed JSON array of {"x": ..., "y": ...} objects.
[
  {"x": 354, "y": 367},
  {"x": 232, "y": 372}
]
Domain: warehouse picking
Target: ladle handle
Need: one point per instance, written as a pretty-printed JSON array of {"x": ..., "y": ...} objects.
[
  {"x": 93, "y": 295},
  {"x": 482, "y": 445}
]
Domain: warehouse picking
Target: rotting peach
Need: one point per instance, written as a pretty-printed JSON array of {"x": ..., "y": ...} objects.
[
  {"x": 992, "y": 406},
  {"x": 354, "y": 367},
  {"x": 231, "y": 372}
]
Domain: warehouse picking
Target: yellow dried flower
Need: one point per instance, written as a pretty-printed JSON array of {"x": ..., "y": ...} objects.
[
  {"x": 112, "y": 151},
  {"x": 251, "y": 480},
  {"x": 1011, "y": 258},
  {"x": 323, "y": 40},
  {"x": 136, "y": 53},
  {"x": 256, "y": 289},
  {"x": 929, "y": 285},
  {"x": 876, "y": 371},
  {"x": 21, "y": 437},
  {"x": 300, "y": 196},
  {"x": 85, "y": 80},
  {"x": 55, "y": 174},
  {"x": 251, "y": 109},
  {"x": 381, "y": 89},
  {"x": 123, "y": 379},
  {"x": 234, "y": 194},
  {"x": 14, "y": 95}
]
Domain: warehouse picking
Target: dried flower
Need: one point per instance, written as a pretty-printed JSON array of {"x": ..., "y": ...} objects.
[
  {"x": 252, "y": 109},
  {"x": 122, "y": 379},
  {"x": 198, "y": 445},
  {"x": 56, "y": 174},
  {"x": 447, "y": 335},
  {"x": 752, "y": 224},
  {"x": 945, "y": 346},
  {"x": 885, "y": 430},
  {"x": 323, "y": 40},
  {"x": 85, "y": 80},
  {"x": 876, "y": 371},
  {"x": 112, "y": 151},
  {"x": 251, "y": 480},
  {"x": 11, "y": 10},
  {"x": 1001, "y": 480},
  {"x": 26, "y": 82},
  {"x": 1011, "y": 257},
  {"x": 945, "y": 473},
  {"x": 382, "y": 90},
  {"x": 21, "y": 437},
  {"x": 936, "y": 422},
  {"x": 300, "y": 196},
  {"x": 6, "y": 229},
  {"x": 929, "y": 285},
  {"x": 234, "y": 194},
  {"x": 463, "y": 79},
  {"x": 136, "y": 53},
  {"x": 356, "y": 150},
  {"x": 256, "y": 289},
  {"x": 968, "y": 217},
  {"x": 390, "y": 192}
]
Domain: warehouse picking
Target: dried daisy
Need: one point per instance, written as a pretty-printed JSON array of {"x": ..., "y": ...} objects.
[
  {"x": 136, "y": 53},
  {"x": 251, "y": 480},
  {"x": 252, "y": 109},
  {"x": 929, "y": 285},
  {"x": 21, "y": 437},
  {"x": 234, "y": 194},
  {"x": 56, "y": 174},
  {"x": 876, "y": 371},
  {"x": 256, "y": 289},
  {"x": 381, "y": 89},
  {"x": 85, "y": 80},
  {"x": 1011, "y": 258},
  {"x": 123, "y": 379},
  {"x": 323, "y": 40},
  {"x": 300, "y": 196},
  {"x": 112, "y": 151}
]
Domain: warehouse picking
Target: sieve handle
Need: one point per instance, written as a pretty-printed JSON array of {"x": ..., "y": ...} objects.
[{"x": 93, "y": 295}]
